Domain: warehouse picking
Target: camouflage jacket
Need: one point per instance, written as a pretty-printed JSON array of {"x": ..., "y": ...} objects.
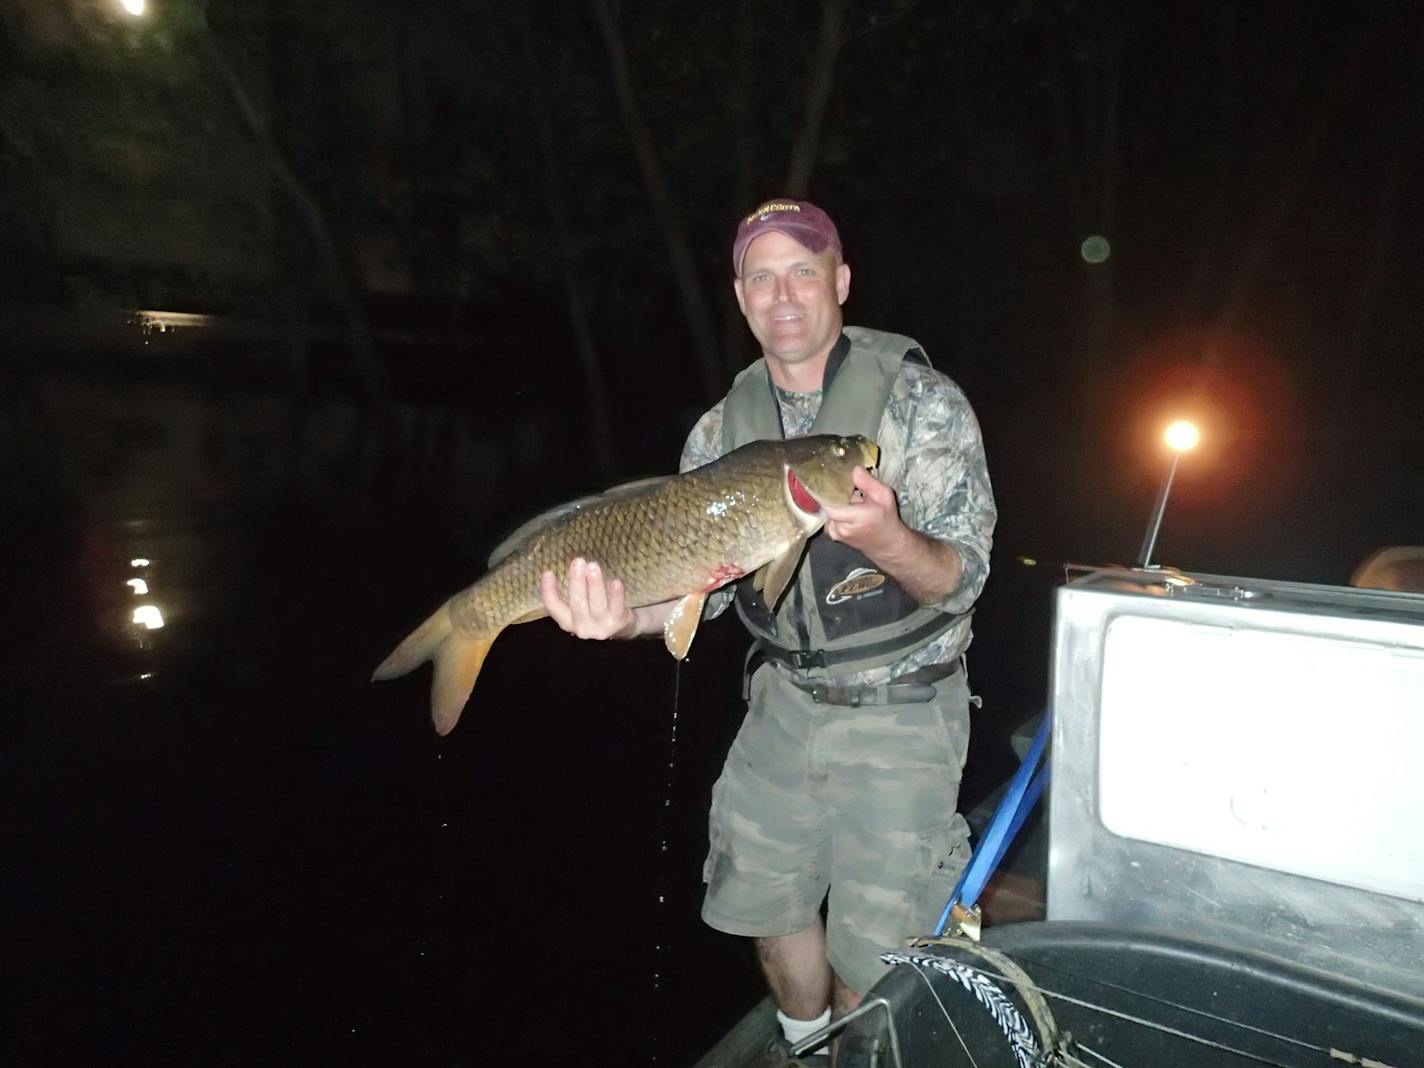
[{"x": 933, "y": 454}]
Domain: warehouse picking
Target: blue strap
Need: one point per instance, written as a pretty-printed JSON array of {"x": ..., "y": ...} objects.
[{"x": 1018, "y": 801}]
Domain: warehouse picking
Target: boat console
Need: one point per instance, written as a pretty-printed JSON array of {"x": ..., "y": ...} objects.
[{"x": 1236, "y": 859}]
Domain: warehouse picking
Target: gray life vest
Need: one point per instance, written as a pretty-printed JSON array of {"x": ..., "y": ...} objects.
[{"x": 841, "y": 614}]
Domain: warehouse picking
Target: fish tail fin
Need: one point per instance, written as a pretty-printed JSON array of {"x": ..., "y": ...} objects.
[
  {"x": 458, "y": 659},
  {"x": 457, "y": 665}
]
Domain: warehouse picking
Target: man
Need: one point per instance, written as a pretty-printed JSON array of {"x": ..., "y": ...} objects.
[{"x": 844, "y": 779}]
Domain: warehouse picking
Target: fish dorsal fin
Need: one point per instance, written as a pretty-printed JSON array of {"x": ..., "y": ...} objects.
[
  {"x": 773, "y": 578},
  {"x": 681, "y": 624},
  {"x": 561, "y": 512}
]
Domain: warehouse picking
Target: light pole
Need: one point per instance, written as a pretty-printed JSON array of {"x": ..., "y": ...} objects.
[{"x": 1180, "y": 437}]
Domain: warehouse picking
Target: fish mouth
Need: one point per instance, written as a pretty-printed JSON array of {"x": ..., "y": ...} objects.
[{"x": 807, "y": 501}]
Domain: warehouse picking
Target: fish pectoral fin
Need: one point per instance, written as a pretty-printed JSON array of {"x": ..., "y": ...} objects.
[
  {"x": 776, "y": 575},
  {"x": 681, "y": 624}
]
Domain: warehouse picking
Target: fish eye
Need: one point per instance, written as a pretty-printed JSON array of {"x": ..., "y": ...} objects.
[{"x": 839, "y": 450}]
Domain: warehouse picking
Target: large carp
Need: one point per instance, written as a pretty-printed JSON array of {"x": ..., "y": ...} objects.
[{"x": 679, "y": 537}]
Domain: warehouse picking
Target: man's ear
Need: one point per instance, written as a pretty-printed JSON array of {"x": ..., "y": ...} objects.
[
  {"x": 741, "y": 298},
  {"x": 842, "y": 283}
]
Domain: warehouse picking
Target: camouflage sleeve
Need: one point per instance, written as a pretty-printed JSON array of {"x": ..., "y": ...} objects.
[
  {"x": 944, "y": 488},
  {"x": 704, "y": 441},
  {"x": 703, "y": 445}
]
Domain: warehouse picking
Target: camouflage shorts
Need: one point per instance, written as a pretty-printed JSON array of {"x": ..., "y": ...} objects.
[{"x": 859, "y": 802}]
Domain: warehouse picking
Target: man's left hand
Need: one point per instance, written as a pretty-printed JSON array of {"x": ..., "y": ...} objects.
[{"x": 871, "y": 521}]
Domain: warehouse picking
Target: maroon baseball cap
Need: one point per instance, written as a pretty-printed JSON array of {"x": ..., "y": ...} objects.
[{"x": 797, "y": 219}]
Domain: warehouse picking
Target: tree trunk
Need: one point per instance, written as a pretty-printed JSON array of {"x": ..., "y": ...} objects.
[
  {"x": 370, "y": 375},
  {"x": 818, "y": 95},
  {"x": 740, "y": 106},
  {"x": 595, "y": 383},
  {"x": 1254, "y": 257},
  {"x": 961, "y": 362},
  {"x": 1103, "y": 103},
  {"x": 1088, "y": 158},
  {"x": 1350, "y": 391},
  {"x": 660, "y": 198},
  {"x": 1213, "y": 224}
]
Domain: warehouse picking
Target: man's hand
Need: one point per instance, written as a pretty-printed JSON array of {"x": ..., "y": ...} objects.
[
  {"x": 927, "y": 569},
  {"x": 871, "y": 521},
  {"x": 595, "y": 608}
]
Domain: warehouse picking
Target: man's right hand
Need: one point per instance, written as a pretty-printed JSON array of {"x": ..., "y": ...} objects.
[{"x": 595, "y": 608}]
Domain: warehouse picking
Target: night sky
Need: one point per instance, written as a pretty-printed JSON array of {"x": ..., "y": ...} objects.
[{"x": 308, "y": 304}]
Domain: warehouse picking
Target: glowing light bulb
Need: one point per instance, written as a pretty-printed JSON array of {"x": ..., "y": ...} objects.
[
  {"x": 133, "y": 7},
  {"x": 138, "y": 586},
  {"x": 1182, "y": 435}
]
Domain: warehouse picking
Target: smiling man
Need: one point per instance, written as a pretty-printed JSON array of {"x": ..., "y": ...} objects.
[{"x": 842, "y": 786}]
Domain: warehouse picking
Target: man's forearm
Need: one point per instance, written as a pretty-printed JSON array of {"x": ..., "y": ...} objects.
[
  {"x": 928, "y": 569},
  {"x": 647, "y": 620}
]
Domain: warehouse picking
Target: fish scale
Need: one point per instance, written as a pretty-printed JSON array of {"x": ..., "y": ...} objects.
[{"x": 673, "y": 540}]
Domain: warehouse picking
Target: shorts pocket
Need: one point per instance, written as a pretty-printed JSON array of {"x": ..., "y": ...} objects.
[
  {"x": 950, "y": 713},
  {"x": 941, "y": 857},
  {"x": 715, "y": 837}
]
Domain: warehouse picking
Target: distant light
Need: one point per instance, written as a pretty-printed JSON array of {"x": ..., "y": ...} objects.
[
  {"x": 146, "y": 675},
  {"x": 133, "y": 7},
  {"x": 1096, "y": 249},
  {"x": 1182, "y": 436},
  {"x": 139, "y": 561},
  {"x": 154, "y": 321},
  {"x": 1027, "y": 561},
  {"x": 138, "y": 586},
  {"x": 149, "y": 616}
]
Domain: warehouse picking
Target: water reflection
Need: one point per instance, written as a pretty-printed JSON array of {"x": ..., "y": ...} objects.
[
  {"x": 221, "y": 820},
  {"x": 148, "y": 615}
]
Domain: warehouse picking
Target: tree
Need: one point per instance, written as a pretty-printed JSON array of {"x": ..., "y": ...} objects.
[{"x": 663, "y": 203}]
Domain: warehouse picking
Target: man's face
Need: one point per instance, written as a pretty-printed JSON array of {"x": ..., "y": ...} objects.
[{"x": 792, "y": 297}]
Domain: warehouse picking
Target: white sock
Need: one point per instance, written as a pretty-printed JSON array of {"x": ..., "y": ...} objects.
[{"x": 796, "y": 1030}]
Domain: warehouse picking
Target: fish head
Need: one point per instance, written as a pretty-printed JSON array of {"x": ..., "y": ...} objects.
[{"x": 819, "y": 468}]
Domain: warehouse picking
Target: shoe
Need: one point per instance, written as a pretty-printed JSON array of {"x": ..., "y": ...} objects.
[{"x": 778, "y": 1055}]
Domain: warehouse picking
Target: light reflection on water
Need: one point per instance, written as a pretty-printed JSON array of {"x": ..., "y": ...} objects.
[
  {"x": 225, "y": 822},
  {"x": 149, "y": 616}
]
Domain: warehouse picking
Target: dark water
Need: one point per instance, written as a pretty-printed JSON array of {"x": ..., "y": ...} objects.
[{"x": 224, "y": 845}]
